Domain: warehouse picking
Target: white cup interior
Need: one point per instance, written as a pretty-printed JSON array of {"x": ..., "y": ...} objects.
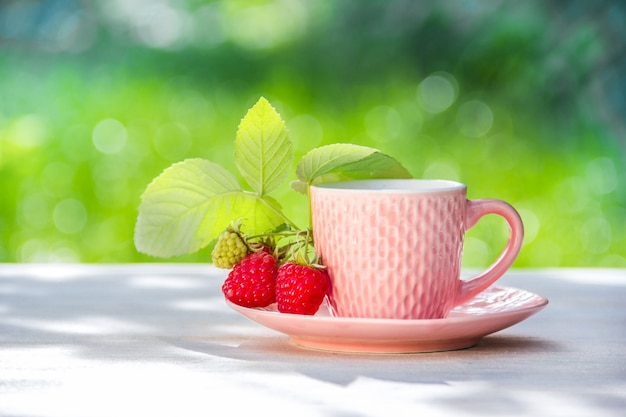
[{"x": 394, "y": 185}]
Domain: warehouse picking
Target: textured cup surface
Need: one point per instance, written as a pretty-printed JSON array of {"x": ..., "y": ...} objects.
[{"x": 393, "y": 248}]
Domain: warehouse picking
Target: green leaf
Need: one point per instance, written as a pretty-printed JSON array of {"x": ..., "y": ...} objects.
[
  {"x": 191, "y": 203},
  {"x": 342, "y": 162},
  {"x": 299, "y": 186},
  {"x": 258, "y": 214},
  {"x": 263, "y": 151}
]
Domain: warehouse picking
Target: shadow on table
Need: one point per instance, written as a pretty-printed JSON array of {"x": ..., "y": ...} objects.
[
  {"x": 344, "y": 368},
  {"x": 154, "y": 314},
  {"x": 162, "y": 315}
]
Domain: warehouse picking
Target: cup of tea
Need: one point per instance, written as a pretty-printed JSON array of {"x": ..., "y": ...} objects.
[{"x": 393, "y": 247}]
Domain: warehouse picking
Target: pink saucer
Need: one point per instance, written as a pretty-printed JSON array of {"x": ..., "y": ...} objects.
[{"x": 492, "y": 310}]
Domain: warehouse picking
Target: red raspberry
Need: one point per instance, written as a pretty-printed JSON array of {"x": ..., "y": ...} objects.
[
  {"x": 252, "y": 281},
  {"x": 300, "y": 289}
]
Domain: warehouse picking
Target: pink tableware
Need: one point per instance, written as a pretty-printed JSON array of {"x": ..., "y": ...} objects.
[
  {"x": 393, "y": 248},
  {"x": 490, "y": 311}
]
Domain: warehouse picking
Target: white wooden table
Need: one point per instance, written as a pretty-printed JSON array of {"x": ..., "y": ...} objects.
[{"x": 159, "y": 340}]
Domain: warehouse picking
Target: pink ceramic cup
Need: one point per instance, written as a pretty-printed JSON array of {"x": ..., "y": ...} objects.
[{"x": 393, "y": 247}]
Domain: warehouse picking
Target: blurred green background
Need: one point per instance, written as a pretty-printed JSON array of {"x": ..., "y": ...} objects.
[{"x": 523, "y": 101}]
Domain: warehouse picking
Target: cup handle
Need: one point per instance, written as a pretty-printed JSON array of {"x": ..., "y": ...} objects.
[{"x": 474, "y": 211}]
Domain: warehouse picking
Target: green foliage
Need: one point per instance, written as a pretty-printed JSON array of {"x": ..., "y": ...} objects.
[
  {"x": 519, "y": 100},
  {"x": 342, "y": 162},
  {"x": 192, "y": 202},
  {"x": 262, "y": 149}
]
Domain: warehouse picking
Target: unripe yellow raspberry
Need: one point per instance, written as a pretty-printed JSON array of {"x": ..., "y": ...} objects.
[{"x": 229, "y": 249}]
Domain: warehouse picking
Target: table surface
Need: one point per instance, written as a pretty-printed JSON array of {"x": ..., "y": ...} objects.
[{"x": 158, "y": 339}]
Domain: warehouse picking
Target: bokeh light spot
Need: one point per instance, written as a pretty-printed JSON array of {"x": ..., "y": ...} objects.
[
  {"x": 411, "y": 115},
  {"x": 67, "y": 30},
  {"x": 475, "y": 252},
  {"x": 28, "y": 131},
  {"x": 34, "y": 250},
  {"x": 601, "y": 176},
  {"x": 63, "y": 254},
  {"x": 437, "y": 92},
  {"x": 34, "y": 211},
  {"x": 70, "y": 216},
  {"x": 267, "y": 25},
  {"x": 160, "y": 25},
  {"x": 613, "y": 261},
  {"x": 544, "y": 252},
  {"x": 531, "y": 223},
  {"x": 596, "y": 235},
  {"x": 191, "y": 108},
  {"x": 444, "y": 170},
  {"x": 109, "y": 136},
  {"x": 209, "y": 25},
  {"x": 572, "y": 195},
  {"x": 474, "y": 118},
  {"x": 383, "y": 123}
]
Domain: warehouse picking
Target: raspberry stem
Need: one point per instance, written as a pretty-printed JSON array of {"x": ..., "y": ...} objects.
[{"x": 291, "y": 245}]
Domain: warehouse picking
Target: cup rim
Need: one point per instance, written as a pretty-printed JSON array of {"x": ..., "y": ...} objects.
[{"x": 413, "y": 185}]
